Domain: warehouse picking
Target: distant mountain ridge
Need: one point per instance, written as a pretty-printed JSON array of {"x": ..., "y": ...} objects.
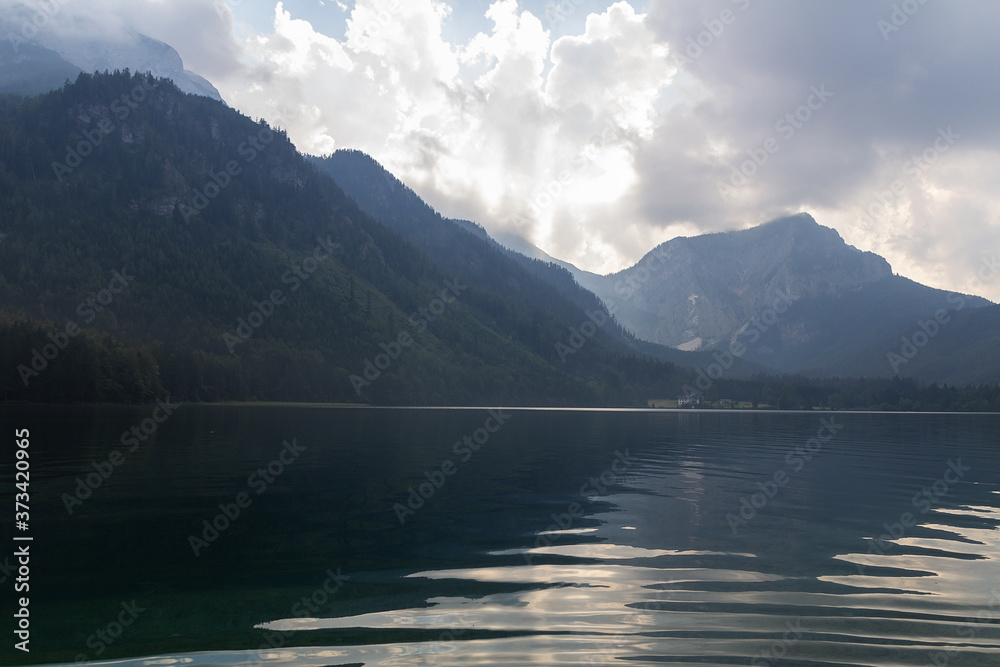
[
  {"x": 791, "y": 295},
  {"x": 43, "y": 61},
  {"x": 385, "y": 198},
  {"x": 847, "y": 313},
  {"x": 712, "y": 285},
  {"x": 254, "y": 275}
]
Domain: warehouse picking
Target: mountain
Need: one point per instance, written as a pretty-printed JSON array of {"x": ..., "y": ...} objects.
[
  {"x": 173, "y": 246},
  {"x": 960, "y": 348},
  {"x": 461, "y": 246},
  {"x": 37, "y": 61},
  {"x": 964, "y": 350},
  {"x": 843, "y": 310},
  {"x": 694, "y": 293},
  {"x": 792, "y": 296},
  {"x": 464, "y": 247},
  {"x": 250, "y": 274},
  {"x": 32, "y": 70},
  {"x": 522, "y": 246}
]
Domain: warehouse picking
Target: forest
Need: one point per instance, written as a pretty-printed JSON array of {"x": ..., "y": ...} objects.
[{"x": 245, "y": 273}]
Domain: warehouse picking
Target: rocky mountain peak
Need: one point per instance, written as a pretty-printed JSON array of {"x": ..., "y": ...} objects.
[{"x": 704, "y": 288}]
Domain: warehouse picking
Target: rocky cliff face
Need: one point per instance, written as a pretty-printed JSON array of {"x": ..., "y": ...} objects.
[{"x": 695, "y": 293}]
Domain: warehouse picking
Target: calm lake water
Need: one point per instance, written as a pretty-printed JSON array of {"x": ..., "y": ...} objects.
[{"x": 417, "y": 537}]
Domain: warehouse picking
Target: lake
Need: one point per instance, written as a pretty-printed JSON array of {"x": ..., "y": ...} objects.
[{"x": 311, "y": 536}]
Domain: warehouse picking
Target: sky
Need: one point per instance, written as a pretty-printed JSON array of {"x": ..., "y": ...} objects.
[{"x": 598, "y": 130}]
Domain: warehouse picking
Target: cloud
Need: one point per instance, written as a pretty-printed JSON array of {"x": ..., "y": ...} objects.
[
  {"x": 615, "y": 70},
  {"x": 600, "y": 144},
  {"x": 109, "y": 35},
  {"x": 499, "y": 128},
  {"x": 893, "y": 90},
  {"x": 200, "y": 31},
  {"x": 494, "y": 128}
]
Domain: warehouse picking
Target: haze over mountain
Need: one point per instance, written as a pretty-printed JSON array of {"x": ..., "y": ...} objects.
[
  {"x": 244, "y": 271},
  {"x": 34, "y": 61},
  {"x": 842, "y": 309},
  {"x": 385, "y": 198},
  {"x": 211, "y": 213}
]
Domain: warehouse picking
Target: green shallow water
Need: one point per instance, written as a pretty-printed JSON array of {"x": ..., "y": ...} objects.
[{"x": 562, "y": 538}]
